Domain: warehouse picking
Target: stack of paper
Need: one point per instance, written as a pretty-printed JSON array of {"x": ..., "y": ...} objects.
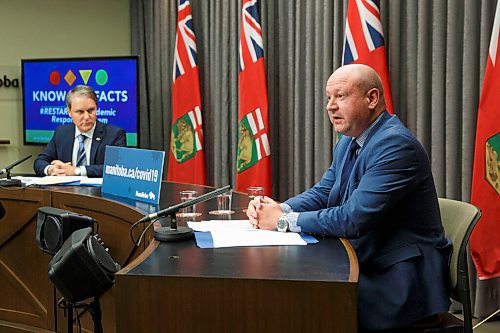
[{"x": 230, "y": 233}]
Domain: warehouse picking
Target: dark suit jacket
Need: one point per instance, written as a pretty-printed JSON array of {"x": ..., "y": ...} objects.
[
  {"x": 392, "y": 219},
  {"x": 60, "y": 147}
]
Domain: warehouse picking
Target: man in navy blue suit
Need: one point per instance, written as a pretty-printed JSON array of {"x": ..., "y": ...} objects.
[
  {"x": 380, "y": 194},
  {"x": 78, "y": 148}
]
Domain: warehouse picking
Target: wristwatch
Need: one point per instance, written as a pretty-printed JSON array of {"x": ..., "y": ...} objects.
[{"x": 282, "y": 224}]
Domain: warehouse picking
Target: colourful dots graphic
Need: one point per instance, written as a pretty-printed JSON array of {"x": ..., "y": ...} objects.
[{"x": 101, "y": 77}]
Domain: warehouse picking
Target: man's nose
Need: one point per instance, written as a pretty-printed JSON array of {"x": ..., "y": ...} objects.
[{"x": 331, "y": 105}]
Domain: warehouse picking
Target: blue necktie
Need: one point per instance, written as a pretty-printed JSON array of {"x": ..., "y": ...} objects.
[
  {"x": 349, "y": 163},
  {"x": 81, "y": 158}
]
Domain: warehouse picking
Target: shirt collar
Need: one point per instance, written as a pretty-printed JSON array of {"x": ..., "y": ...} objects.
[
  {"x": 361, "y": 139},
  {"x": 88, "y": 134}
]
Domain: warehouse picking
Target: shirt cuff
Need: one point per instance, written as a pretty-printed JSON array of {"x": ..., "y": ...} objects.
[
  {"x": 83, "y": 171},
  {"x": 292, "y": 222},
  {"x": 286, "y": 208},
  {"x": 46, "y": 170},
  {"x": 291, "y": 216}
]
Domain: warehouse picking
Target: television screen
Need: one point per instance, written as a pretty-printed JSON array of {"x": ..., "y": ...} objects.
[{"x": 46, "y": 82}]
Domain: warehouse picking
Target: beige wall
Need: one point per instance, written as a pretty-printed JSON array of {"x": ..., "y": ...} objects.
[{"x": 51, "y": 29}]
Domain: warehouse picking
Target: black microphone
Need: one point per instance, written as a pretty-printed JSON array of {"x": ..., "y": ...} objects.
[
  {"x": 8, "y": 181},
  {"x": 8, "y": 168},
  {"x": 174, "y": 209},
  {"x": 174, "y": 233}
]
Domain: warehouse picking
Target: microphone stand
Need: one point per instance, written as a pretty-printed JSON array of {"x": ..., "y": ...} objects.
[
  {"x": 175, "y": 233},
  {"x": 9, "y": 181},
  {"x": 94, "y": 309}
]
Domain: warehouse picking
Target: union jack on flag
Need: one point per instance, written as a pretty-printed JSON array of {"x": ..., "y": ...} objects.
[
  {"x": 185, "y": 43},
  {"x": 251, "y": 44},
  {"x": 253, "y": 164},
  {"x": 364, "y": 41},
  {"x": 186, "y": 161}
]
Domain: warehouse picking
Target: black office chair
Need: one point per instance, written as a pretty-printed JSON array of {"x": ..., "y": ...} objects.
[{"x": 459, "y": 219}]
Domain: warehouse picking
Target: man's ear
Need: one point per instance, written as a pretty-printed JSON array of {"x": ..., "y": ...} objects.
[{"x": 373, "y": 96}]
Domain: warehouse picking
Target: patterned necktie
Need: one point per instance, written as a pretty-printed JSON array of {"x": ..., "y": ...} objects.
[
  {"x": 349, "y": 163},
  {"x": 81, "y": 158}
]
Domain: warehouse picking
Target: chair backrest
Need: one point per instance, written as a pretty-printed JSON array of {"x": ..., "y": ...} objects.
[{"x": 459, "y": 219}]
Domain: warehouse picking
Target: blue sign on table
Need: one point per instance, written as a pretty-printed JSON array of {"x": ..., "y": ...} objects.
[{"x": 133, "y": 173}]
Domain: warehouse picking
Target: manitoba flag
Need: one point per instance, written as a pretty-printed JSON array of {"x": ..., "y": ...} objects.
[
  {"x": 186, "y": 162},
  {"x": 485, "y": 194},
  {"x": 253, "y": 153},
  {"x": 364, "y": 41}
]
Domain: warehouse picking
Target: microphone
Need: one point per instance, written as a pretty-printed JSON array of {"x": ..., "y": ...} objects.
[
  {"x": 8, "y": 168},
  {"x": 8, "y": 181},
  {"x": 174, "y": 233}
]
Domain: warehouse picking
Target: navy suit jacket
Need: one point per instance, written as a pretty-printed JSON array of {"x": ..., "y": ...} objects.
[
  {"x": 60, "y": 147},
  {"x": 391, "y": 216}
]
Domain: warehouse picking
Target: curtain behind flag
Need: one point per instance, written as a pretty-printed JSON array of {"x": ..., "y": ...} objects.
[
  {"x": 186, "y": 159},
  {"x": 364, "y": 41},
  {"x": 485, "y": 193},
  {"x": 253, "y": 153}
]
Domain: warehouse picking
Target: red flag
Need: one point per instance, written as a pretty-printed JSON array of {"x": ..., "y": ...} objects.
[
  {"x": 254, "y": 153},
  {"x": 364, "y": 41},
  {"x": 186, "y": 158},
  {"x": 485, "y": 194}
]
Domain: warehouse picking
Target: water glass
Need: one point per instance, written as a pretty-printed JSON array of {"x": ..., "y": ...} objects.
[
  {"x": 186, "y": 196},
  {"x": 224, "y": 204},
  {"x": 255, "y": 191}
]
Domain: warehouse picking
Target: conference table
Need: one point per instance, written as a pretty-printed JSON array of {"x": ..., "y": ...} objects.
[{"x": 174, "y": 286}]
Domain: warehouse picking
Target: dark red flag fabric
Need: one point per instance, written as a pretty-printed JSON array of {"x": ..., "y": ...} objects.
[
  {"x": 254, "y": 152},
  {"x": 186, "y": 162},
  {"x": 485, "y": 194}
]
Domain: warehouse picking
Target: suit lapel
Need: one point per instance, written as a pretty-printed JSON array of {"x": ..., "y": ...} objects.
[
  {"x": 67, "y": 147},
  {"x": 335, "y": 198},
  {"x": 96, "y": 141}
]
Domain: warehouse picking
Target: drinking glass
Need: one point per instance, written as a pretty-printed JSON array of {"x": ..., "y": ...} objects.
[
  {"x": 191, "y": 210},
  {"x": 254, "y": 191},
  {"x": 223, "y": 204}
]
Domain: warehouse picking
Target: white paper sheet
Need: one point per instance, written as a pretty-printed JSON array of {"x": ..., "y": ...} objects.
[
  {"x": 55, "y": 180},
  {"x": 49, "y": 180},
  {"x": 231, "y": 233},
  {"x": 91, "y": 181}
]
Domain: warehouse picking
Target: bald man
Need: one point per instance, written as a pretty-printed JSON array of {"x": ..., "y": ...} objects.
[{"x": 380, "y": 194}]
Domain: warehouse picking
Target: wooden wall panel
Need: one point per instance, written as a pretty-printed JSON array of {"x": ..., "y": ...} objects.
[{"x": 27, "y": 296}]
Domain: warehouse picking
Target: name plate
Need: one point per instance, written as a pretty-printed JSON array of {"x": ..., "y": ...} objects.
[{"x": 133, "y": 173}]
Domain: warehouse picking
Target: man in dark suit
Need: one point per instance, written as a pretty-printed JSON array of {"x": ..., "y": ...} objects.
[
  {"x": 78, "y": 148},
  {"x": 379, "y": 193}
]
